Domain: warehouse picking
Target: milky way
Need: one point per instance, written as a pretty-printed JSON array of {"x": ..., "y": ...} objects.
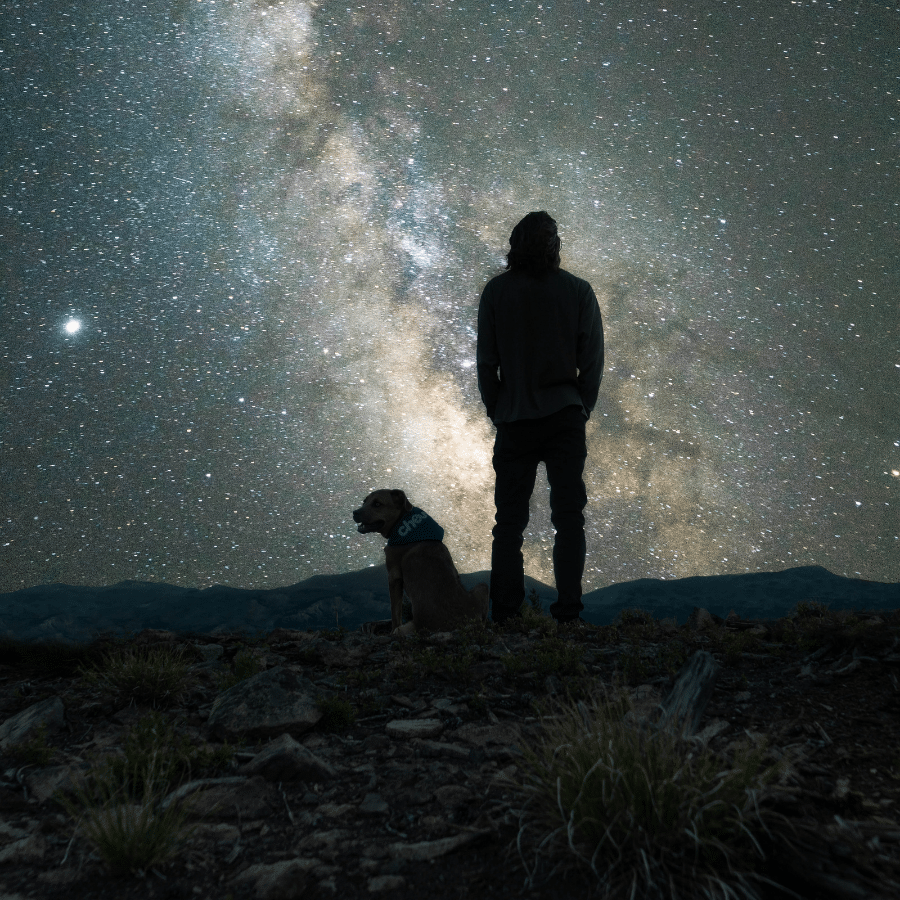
[{"x": 243, "y": 245}]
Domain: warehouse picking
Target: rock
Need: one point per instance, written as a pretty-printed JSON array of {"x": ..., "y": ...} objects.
[
  {"x": 701, "y": 619},
  {"x": 425, "y": 850},
  {"x": 414, "y": 728},
  {"x": 10, "y": 831},
  {"x": 328, "y": 843},
  {"x": 224, "y": 801},
  {"x": 440, "y": 748},
  {"x": 44, "y": 783},
  {"x": 56, "y": 877},
  {"x": 385, "y": 883},
  {"x": 375, "y": 851},
  {"x": 285, "y": 760},
  {"x": 267, "y": 704},
  {"x": 283, "y": 880},
  {"x": 335, "y": 810},
  {"x": 481, "y": 735},
  {"x": 25, "y": 724},
  {"x": 200, "y": 784},
  {"x": 376, "y": 742},
  {"x": 374, "y": 805},
  {"x": 26, "y": 849}
]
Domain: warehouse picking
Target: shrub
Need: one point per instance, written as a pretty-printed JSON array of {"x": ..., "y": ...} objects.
[
  {"x": 245, "y": 665},
  {"x": 640, "y": 812},
  {"x": 157, "y": 676},
  {"x": 337, "y": 713}
]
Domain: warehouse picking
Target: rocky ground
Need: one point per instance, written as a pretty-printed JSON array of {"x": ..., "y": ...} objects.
[{"x": 356, "y": 765}]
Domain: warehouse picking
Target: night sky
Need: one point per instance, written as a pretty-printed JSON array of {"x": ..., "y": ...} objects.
[{"x": 243, "y": 245}]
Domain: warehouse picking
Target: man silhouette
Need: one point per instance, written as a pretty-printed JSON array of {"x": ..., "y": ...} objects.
[{"x": 540, "y": 361}]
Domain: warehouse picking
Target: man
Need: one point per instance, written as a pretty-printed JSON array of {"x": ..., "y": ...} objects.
[{"x": 540, "y": 361}]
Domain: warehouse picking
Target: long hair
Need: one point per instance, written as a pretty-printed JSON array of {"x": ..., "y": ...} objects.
[{"x": 534, "y": 245}]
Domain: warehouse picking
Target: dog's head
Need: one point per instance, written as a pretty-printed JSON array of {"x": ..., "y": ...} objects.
[{"x": 381, "y": 511}]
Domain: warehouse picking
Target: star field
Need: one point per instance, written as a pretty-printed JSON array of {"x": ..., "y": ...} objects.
[{"x": 243, "y": 244}]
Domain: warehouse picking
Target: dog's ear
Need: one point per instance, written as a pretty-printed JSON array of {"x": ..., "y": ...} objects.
[{"x": 400, "y": 499}]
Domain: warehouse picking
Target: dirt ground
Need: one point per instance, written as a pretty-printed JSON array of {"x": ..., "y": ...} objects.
[{"x": 822, "y": 688}]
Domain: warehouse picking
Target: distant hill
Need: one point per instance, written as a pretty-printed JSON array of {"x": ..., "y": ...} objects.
[{"x": 75, "y": 613}]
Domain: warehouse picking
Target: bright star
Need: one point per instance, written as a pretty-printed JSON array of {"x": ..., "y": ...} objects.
[{"x": 72, "y": 326}]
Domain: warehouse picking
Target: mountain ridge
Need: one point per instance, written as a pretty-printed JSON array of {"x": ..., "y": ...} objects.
[{"x": 77, "y": 612}]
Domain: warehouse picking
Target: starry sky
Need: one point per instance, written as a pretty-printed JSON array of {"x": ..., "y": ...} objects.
[{"x": 243, "y": 245}]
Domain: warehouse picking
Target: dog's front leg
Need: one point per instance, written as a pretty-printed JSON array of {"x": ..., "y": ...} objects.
[{"x": 395, "y": 584}]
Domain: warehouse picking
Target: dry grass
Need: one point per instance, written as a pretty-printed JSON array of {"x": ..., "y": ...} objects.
[
  {"x": 639, "y": 812},
  {"x": 130, "y": 833},
  {"x": 157, "y": 676}
]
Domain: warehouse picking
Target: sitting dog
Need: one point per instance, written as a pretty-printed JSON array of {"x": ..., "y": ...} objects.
[{"x": 418, "y": 562}]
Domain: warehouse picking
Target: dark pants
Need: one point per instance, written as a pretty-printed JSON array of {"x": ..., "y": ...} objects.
[{"x": 558, "y": 441}]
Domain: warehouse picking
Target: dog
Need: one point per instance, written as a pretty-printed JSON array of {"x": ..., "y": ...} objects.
[{"x": 419, "y": 563}]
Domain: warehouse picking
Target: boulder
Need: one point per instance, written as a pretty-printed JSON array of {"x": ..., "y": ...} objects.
[
  {"x": 25, "y": 724},
  {"x": 268, "y": 704}
]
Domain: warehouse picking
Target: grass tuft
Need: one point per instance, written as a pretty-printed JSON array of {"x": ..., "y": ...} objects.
[
  {"x": 35, "y": 751},
  {"x": 117, "y": 807},
  {"x": 639, "y": 812},
  {"x": 153, "y": 746},
  {"x": 246, "y": 664},
  {"x": 157, "y": 676},
  {"x": 337, "y": 714},
  {"x": 130, "y": 834}
]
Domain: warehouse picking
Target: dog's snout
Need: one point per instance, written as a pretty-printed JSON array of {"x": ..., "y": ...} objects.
[{"x": 357, "y": 513}]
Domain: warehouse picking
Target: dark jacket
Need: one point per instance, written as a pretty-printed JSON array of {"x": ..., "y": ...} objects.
[{"x": 540, "y": 345}]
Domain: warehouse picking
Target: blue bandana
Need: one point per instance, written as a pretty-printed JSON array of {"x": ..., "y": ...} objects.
[{"x": 415, "y": 526}]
